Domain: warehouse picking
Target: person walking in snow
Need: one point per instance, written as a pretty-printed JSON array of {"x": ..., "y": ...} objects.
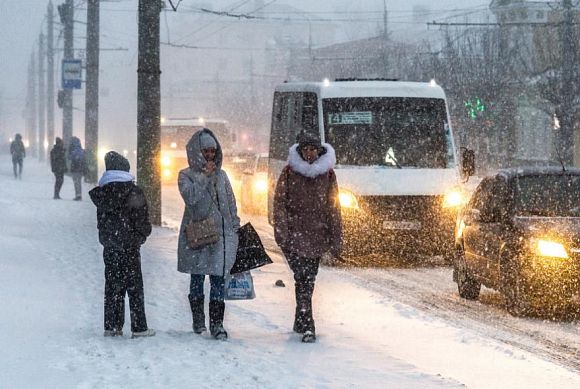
[
  {"x": 207, "y": 192},
  {"x": 18, "y": 152},
  {"x": 307, "y": 220},
  {"x": 123, "y": 223},
  {"x": 76, "y": 155},
  {"x": 58, "y": 165}
]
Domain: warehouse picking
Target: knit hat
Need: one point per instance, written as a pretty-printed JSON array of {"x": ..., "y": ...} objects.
[
  {"x": 115, "y": 161},
  {"x": 304, "y": 139},
  {"x": 206, "y": 141}
]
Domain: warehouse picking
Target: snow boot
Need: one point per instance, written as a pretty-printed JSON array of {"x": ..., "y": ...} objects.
[
  {"x": 303, "y": 319},
  {"x": 197, "y": 314},
  {"x": 111, "y": 333},
  {"x": 143, "y": 334},
  {"x": 216, "y": 320},
  {"x": 309, "y": 337}
]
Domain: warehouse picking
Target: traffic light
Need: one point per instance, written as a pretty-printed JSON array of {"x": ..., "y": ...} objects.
[{"x": 475, "y": 107}]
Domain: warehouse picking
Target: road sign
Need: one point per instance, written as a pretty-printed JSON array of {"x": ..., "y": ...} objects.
[{"x": 72, "y": 72}]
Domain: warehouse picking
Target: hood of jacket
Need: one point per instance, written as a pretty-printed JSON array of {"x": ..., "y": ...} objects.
[
  {"x": 110, "y": 176},
  {"x": 325, "y": 162},
  {"x": 195, "y": 158},
  {"x": 112, "y": 196}
]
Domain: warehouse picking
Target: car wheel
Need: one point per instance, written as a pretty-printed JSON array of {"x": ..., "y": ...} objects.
[
  {"x": 467, "y": 286},
  {"x": 514, "y": 289}
]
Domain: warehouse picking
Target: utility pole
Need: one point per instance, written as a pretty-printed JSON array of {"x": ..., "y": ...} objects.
[
  {"x": 92, "y": 91},
  {"x": 41, "y": 100},
  {"x": 385, "y": 20},
  {"x": 567, "y": 90},
  {"x": 149, "y": 107},
  {"x": 32, "y": 130},
  {"x": 66, "y": 12},
  {"x": 50, "y": 74},
  {"x": 385, "y": 40}
]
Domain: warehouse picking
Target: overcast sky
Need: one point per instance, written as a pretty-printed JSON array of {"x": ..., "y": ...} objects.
[{"x": 23, "y": 20}]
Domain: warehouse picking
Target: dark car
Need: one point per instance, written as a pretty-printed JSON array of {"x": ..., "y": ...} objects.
[{"x": 520, "y": 234}]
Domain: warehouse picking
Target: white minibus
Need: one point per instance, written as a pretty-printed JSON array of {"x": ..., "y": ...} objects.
[{"x": 397, "y": 166}]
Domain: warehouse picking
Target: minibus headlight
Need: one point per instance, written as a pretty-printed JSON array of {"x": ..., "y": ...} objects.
[
  {"x": 453, "y": 198},
  {"x": 549, "y": 248},
  {"x": 347, "y": 199}
]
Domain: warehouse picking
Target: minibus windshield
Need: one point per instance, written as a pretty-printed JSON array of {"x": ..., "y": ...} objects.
[{"x": 398, "y": 132}]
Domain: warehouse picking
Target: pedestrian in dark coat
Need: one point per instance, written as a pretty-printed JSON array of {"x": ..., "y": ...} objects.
[
  {"x": 207, "y": 192},
  {"x": 76, "y": 155},
  {"x": 58, "y": 165},
  {"x": 123, "y": 223},
  {"x": 307, "y": 221},
  {"x": 18, "y": 152}
]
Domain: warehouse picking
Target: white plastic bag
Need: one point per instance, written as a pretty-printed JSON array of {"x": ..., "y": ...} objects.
[{"x": 240, "y": 286}]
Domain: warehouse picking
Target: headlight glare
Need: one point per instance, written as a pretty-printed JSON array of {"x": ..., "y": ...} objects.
[
  {"x": 165, "y": 161},
  {"x": 453, "y": 198},
  {"x": 261, "y": 185},
  {"x": 548, "y": 248},
  {"x": 347, "y": 199}
]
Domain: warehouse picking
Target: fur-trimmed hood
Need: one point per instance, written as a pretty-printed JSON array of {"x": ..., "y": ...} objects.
[{"x": 322, "y": 165}]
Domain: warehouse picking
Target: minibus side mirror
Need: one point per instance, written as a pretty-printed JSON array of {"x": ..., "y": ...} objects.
[{"x": 468, "y": 162}]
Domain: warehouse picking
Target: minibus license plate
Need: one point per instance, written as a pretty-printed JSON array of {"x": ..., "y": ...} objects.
[{"x": 401, "y": 225}]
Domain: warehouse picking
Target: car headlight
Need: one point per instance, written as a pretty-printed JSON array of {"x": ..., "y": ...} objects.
[
  {"x": 347, "y": 199},
  {"x": 549, "y": 248},
  {"x": 165, "y": 161},
  {"x": 261, "y": 185},
  {"x": 453, "y": 198}
]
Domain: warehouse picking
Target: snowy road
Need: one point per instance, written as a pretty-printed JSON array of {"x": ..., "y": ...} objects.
[
  {"x": 377, "y": 328},
  {"x": 432, "y": 291}
]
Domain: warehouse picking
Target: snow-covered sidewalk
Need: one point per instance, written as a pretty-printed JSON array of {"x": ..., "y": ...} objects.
[{"x": 51, "y": 285}]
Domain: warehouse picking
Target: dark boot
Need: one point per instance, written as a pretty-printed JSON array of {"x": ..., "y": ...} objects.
[
  {"x": 216, "y": 320},
  {"x": 303, "y": 320},
  {"x": 197, "y": 314}
]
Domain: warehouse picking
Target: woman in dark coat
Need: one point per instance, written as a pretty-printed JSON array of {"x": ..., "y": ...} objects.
[
  {"x": 307, "y": 221},
  {"x": 207, "y": 192},
  {"x": 58, "y": 165},
  {"x": 18, "y": 152}
]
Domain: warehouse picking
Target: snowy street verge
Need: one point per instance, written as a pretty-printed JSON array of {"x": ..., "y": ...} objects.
[{"x": 51, "y": 283}]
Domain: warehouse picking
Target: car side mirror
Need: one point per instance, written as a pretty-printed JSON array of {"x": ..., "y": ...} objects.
[{"x": 468, "y": 162}]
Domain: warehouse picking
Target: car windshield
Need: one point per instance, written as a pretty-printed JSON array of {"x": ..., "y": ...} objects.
[
  {"x": 399, "y": 132},
  {"x": 548, "y": 195}
]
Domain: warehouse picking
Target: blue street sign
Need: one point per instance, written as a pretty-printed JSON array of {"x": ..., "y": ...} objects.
[{"x": 72, "y": 71}]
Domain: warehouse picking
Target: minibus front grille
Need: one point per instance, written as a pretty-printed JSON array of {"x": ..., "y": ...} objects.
[{"x": 403, "y": 208}]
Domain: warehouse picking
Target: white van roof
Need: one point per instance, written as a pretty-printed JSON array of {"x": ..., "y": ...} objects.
[
  {"x": 335, "y": 89},
  {"x": 193, "y": 121}
]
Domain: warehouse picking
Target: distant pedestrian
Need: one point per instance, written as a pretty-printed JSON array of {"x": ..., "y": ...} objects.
[
  {"x": 18, "y": 152},
  {"x": 207, "y": 193},
  {"x": 58, "y": 165},
  {"x": 76, "y": 155},
  {"x": 307, "y": 220},
  {"x": 123, "y": 223}
]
